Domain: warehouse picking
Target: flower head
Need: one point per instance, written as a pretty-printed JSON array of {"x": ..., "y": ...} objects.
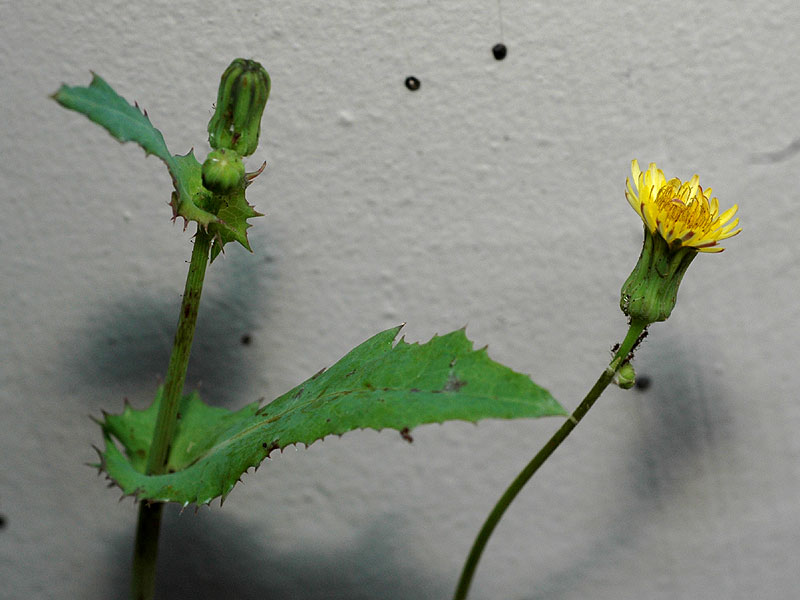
[
  {"x": 682, "y": 213},
  {"x": 680, "y": 221}
]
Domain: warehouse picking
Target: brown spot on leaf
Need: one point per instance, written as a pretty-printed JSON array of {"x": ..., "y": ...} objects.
[
  {"x": 271, "y": 446},
  {"x": 453, "y": 384}
]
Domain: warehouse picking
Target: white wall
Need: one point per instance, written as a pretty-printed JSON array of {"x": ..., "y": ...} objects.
[{"x": 491, "y": 197}]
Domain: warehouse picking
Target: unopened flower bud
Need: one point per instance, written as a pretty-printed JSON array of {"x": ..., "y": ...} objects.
[
  {"x": 223, "y": 172},
  {"x": 626, "y": 376},
  {"x": 243, "y": 92}
]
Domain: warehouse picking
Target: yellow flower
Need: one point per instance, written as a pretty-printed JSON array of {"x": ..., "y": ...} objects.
[
  {"x": 680, "y": 221},
  {"x": 683, "y": 214}
]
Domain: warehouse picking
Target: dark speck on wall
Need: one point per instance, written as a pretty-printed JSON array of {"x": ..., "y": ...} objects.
[
  {"x": 499, "y": 51},
  {"x": 412, "y": 83}
]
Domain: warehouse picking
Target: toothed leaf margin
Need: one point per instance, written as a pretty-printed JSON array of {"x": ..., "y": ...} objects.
[
  {"x": 377, "y": 385},
  {"x": 128, "y": 123}
]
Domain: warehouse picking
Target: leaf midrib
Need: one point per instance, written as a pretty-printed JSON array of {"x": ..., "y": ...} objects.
[{"x": 324, "y": 397}]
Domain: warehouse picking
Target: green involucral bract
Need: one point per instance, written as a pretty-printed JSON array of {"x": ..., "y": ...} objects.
[
  {"x": 377, "y": 385},
  {"x": 626, "y": 376},
  {"x": 243, "y": 92},
  {"x": 651, "y": 290},
  {"x": 223, "y": 172}
]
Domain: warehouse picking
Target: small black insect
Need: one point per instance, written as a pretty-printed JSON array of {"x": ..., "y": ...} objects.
[
  {"x": 412, "y": 83},
  {"x": 499, "y": 51}
]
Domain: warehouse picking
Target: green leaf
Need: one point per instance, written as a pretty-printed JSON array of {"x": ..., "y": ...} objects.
[
  {"x": 234, "y": 213},
  {"x": 105, "y": 107},
  {"x": 190, "y": 199},
  {"x": 232, "y": 210},
  {"x": 377, "y": 385},
  {"x": 127, "y": 123}
]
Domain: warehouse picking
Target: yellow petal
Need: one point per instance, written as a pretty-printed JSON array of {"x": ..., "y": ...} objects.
[
  {"x": 635, "y": 172},
  {"x": 725, "y": 217},
  {"x": 683, "y": 213}
]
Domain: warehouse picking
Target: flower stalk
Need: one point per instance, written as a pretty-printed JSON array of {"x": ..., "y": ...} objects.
[
  {"x": 149, "y": 520},
  {"x": 622, "y": 355},
  {"x": 680, "y": 220}
]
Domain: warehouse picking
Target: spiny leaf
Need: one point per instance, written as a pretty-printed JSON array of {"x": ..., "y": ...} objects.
[
  {"x": 377, "y": 385},
  {"x": 100, "y": 103},
  {"x": 190, "y": 199},
  {"x": 127, "y": 123},
  {"x": 234, "y": 213}
]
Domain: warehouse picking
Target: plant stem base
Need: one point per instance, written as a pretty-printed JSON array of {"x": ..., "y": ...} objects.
[{"x": 145, "y": 550}]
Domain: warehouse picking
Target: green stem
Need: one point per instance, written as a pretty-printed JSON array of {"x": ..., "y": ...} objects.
[
  {"x": 629, "y": 343},
  {"x": 145, "y": 550},
  {"x": 146, "y": 545}
]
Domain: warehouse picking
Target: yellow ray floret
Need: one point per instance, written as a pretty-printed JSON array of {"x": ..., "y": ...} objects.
[{"x": 682, "y": 213}]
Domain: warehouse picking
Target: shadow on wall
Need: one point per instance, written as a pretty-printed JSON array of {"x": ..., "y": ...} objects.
[
  {"x": 212, "y": 556},
  {"x": 682, "y": 419},
  {"x": 127, "y": 343}
]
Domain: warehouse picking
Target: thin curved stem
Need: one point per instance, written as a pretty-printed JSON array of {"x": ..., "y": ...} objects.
[
  {"x": 628, "y": 345},
  {"x": 145, "y": 550}
]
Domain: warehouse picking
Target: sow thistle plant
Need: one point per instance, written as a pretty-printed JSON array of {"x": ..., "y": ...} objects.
[
  {"x": 680, "y": 220},
  {"x": 185, "y": 451},
  {"x": 180, "y": 449}
]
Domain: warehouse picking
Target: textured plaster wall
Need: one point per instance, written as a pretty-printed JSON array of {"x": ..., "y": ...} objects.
[{"x": 491, "y": 197}]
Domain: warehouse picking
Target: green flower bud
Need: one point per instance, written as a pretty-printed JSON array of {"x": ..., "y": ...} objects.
[
  {"x": 243, "y": 92},
  {"x": 650, "y": 293},
  {"x": 626, "y": 376},
  {"x": 223, "y": 172}
]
